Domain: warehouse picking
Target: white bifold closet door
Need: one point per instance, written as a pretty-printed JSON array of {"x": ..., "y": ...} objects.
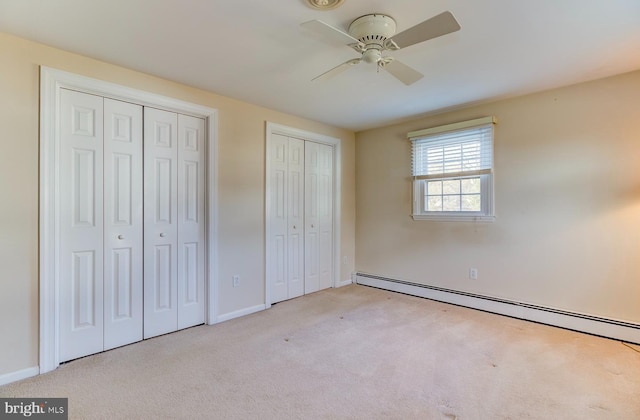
[
  {"x": 318, "y": 216},
  {"x": 131, "y": 223},
  {"x": 301, "y": 217},
  {"x": 287, "y": 217},
  {"x": 123, "y": 242},
  {"x": 173, "y": 222},
  {"x": 100, "y": 282}
]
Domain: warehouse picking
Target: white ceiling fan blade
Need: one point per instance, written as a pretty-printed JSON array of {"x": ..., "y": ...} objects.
[
  {"x": 331, "y": 33},
  {"x": 439, "y": 25},
  {"x": 402, "y": 72},
  {"x": 338, "y": 69}
]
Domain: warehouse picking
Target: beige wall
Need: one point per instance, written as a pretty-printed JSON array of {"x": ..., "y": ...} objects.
[
  {"x": 241, "y": 187},
  {"x": 567, "y": 194}
]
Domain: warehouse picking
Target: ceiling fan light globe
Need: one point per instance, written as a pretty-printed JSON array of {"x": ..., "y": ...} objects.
[{"x": 371, "y": 56}]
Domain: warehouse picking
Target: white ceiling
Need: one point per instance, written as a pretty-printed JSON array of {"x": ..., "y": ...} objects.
[{"x": 256, "y": 51}]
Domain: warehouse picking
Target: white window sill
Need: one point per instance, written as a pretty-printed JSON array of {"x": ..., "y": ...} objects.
[{"x": 455, "y": 218}]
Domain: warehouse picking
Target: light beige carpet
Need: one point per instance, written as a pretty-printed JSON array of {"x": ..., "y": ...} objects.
[{"x": 357, "y": 353}]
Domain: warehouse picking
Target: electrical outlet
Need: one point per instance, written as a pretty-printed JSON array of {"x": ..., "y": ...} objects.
[
  {"x": 345, "y": 260},
  {"x": 473, "y": 273},
  {"x": 236, "y": 280}
]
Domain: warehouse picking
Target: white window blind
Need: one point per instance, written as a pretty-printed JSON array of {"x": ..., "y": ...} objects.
[
  {"x": 452, "y": 167},
  {"x": 461, "y": 152}
]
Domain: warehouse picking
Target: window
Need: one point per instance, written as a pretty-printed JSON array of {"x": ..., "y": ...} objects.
[{"x": 452, "y": 169}]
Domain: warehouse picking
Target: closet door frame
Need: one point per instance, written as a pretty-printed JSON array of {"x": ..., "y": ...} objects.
[
  {"x": 51, "y": 83},
  {"x": 272, "y": 128}
]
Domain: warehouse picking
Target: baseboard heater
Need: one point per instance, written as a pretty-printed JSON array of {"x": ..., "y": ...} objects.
[{"x": 605, "y": 327}]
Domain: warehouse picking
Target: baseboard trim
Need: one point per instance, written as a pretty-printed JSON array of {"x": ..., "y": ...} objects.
[
  {"x": 344, "y": 283},
  {"x": 605, "y": 327},
  {"x": 242, "y": 312},
  {"x": 8, "y": 378}
]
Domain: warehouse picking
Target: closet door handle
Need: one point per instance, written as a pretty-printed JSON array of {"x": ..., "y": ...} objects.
[
  {"x": 162, "y": 235},
  {"x": 294, "y": 226},
  {"x": 120, "y": 237}
]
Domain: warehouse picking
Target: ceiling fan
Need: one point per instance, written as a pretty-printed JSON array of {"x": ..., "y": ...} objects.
[{"x": 373, "y": 34}]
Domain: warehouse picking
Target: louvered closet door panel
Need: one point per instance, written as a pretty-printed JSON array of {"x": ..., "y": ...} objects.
[
  {"x": 123, "y": 250},
  {"x": 278, "y": 224},
  {"x": 312, "y": 230},
  {"x": 81, "y": 225},
  {"x": 191, "y": 223},
  {"x": 325, "y": 215},
  {"x": 160, "y": 222},
  {"x": 295, "y": 219}
]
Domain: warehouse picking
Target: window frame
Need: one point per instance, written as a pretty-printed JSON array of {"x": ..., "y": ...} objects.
[{"x": 487, "y": 210}]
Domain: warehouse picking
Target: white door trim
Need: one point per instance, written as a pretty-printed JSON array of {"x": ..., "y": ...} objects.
[
  {"x": 334, "y": 142},
  {"x": 51, "y": 81}
]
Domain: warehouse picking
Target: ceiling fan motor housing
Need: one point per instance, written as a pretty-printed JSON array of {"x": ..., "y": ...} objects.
[{"x": 372, "y": 30}]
